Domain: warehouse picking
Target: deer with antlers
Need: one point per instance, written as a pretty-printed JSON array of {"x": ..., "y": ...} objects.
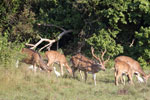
[
  {"x": 56, "y": 57},
  {"x": 82, "y": 63}
]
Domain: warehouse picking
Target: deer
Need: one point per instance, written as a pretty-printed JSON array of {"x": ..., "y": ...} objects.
[
  {"x": 123, "y": 68},
  {"x": 82, "y": 63},
  {"x": 135, "y": 66},
  {"x": 34, "y": 58},
  {"x": 56, "y": 57}
]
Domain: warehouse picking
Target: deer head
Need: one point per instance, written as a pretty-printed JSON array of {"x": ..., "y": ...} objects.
[{"x": 101, "y": 60}]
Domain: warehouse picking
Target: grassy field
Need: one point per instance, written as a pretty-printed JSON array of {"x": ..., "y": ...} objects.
[{"x": 23, "y": 84}]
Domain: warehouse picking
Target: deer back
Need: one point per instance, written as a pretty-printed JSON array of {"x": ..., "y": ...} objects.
[
  {"x": 83, "y": 63},
  {"x": 132, "y": 63},
  {"x": 55, "y": 56},
  {"x": 80, "y": 60},
  {"x": 33, "y": 57},
  {"x": 28, "y": 55},
  {"x": 122, "y": 66}
]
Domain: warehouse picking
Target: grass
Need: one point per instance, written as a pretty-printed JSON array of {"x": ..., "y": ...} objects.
[{"x": 23, "y": 84}]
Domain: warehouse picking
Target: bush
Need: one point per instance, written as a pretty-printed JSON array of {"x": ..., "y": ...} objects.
[{"x": 9, "y": 52}]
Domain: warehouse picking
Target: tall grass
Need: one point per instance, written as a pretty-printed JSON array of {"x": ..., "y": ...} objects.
[{"x": 23, "y": 84}]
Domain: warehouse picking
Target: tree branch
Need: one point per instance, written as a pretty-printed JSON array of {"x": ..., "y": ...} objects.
[
  {"x": 132, "y": 43},
  {"x": 63, "y": 33},
  {"x": 58, "y": 37},
  {"x": 51, "y": 25},
  {"x": 50, "y": 42},
  {"x": 33, "y": 46}
]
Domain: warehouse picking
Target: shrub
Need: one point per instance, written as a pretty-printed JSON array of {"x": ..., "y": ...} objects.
[{"x": 9, "y": 52}]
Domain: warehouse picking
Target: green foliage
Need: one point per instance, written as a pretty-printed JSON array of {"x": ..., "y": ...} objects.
[
  {"x": 143, "y": 45},
  {"x": 24, "y": 28},
  {"x": 139, "y": 9},
  {"x": 104, "y": 40},
  {"x": 9, "y": 52},
  {"x": 110, "y": 24},
  {"x": 17, "y": 20}
]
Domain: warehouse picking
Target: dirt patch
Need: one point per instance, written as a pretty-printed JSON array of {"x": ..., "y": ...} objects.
[{"x": 122, "y": 92}]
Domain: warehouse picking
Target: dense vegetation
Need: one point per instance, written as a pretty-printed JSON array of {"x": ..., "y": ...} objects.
[{"x": 120, "y": 26}]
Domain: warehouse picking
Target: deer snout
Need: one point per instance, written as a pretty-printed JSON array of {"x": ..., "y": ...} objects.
[{"x": 103, "y": 68}]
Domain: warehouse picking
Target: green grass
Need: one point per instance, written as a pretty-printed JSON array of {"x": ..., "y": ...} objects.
[{"x": 22, "y": 84}]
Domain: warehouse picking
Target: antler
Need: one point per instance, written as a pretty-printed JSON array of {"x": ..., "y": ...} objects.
[
  {"x": 107, "y": 60},
  {"x": 102, "y": 56},
  {"x": 102, "y": 61},
  {"x": 92, "y": 51}
]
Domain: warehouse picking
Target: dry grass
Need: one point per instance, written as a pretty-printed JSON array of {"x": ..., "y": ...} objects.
[{"x": 23, "y": 84}]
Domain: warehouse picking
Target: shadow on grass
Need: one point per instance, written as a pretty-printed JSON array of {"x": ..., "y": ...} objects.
[
  {"x": 123, "y": 91},
  {"x": 107, "y": 81},
  {"x": 67, "y": 76}
]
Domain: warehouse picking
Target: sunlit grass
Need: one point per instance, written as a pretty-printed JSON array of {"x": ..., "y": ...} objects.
[{"x": 23, "y": 84}]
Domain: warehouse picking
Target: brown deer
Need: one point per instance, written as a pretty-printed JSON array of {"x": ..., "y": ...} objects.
[
  {"x": 135, "y": 66},
  {"x": 56, "y": 57},
  {"x": 82, "y": 63},
  {"x": 34, "y": 58},
  {"x": 122, "y": 68}
]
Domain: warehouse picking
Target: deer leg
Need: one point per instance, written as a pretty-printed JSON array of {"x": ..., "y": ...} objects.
[
  {"x": 122, "y": 79},
  {"x": 34, "y": 67},
  {"x": 85, "y": 73},
  {"x": 116, "y": 72},
  {"x": 61, "y": 67},
  {"x": 73, "y": 71},
  {"x": 81, "y": 74},
  {"x": 117, "y": 77},
  {"x": 130, "y": 77},
  {"x": 94, "y": 78}
]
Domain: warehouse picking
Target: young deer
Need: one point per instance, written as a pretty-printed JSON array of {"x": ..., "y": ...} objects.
[
  {"x": 56, "y": 57},
  {"x": 122, "y": 68},
  {"x": 82, "y": 63},
  {"x": 135, "y": 66},
  {"x": 34, "y": 58}
]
